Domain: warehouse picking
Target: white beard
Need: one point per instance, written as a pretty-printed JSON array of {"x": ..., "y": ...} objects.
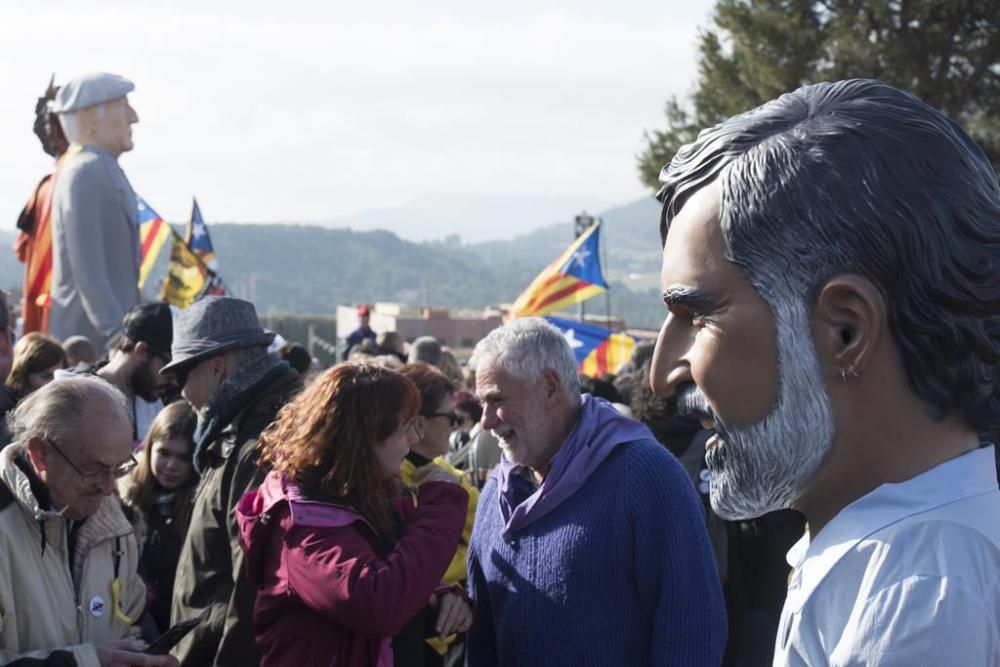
[{"x": 764, "y": 467}]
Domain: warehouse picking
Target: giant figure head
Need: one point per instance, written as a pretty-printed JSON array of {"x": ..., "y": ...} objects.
[
  {"x": 47, "y": 127},
  {"x": 94, "y": 110},
  {"x": 842, "y": 229}
]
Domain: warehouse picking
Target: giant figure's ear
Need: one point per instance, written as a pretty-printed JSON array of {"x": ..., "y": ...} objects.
[{"x": 849, "y": 320}]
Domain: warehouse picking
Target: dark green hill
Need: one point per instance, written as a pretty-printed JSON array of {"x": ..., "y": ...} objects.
[{"x": 304, "y": 269}]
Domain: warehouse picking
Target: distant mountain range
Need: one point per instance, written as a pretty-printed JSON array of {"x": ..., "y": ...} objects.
[
  {"x": 301, "y": 269},
  {"x": 474, "y": 218}
]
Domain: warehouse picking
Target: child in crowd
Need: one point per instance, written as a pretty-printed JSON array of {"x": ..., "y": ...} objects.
[{"x": 157, "y": 497}]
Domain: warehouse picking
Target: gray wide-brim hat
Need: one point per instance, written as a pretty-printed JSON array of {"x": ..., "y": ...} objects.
[
  {"x": 211, "y": 326},
  {"x": 90, "y": 90}
]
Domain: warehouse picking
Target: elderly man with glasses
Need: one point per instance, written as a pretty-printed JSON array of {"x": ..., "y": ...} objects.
[{"x": 68, "y": 558}]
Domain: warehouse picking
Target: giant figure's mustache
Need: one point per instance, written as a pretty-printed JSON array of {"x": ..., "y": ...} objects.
[{"x": 692, "y": 403}]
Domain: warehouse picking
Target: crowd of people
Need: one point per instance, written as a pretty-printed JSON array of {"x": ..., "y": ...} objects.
[{"x": 797, "y": 471}]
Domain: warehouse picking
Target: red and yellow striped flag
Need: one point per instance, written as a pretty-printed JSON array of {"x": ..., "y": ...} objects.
[
  {"x": 573, "y": 278},
  {"x": 34, "y": 249},
  {"x": 153, "y": 233}
]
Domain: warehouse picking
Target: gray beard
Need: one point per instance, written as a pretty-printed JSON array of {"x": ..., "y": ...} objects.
[{"x": 764, "y": 467}]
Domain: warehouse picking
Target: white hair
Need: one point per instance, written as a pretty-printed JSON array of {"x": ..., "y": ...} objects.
[
  {"x": 525, "y": 348},
  {"x": 55, "y": 411},
  {"x": 766, "y": 466},
  {"x": 72, "y": 122}
]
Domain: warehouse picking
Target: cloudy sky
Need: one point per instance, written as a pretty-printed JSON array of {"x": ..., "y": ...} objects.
[{"x": 308, "y": 111}]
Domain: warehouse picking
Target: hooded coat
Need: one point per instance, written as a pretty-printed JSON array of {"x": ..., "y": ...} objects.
[
  {"x": 327, "y": 593},
  {"x": 45, "y": 604}
]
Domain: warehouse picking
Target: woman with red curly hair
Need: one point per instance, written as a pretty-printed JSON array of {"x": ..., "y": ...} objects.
[{"x": 341, "y": 558}]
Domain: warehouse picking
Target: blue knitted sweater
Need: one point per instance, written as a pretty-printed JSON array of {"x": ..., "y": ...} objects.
[{"x": 621, "y": 573}]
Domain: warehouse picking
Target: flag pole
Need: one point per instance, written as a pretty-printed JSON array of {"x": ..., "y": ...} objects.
[
  {"x": 603, "y": 247},
  {"x": 581, "y": 224}
]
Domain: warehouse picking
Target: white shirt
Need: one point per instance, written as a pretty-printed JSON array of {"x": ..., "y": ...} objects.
[
  {"x": 906, "y": 575},
  {"x": 145, "y": 413}
]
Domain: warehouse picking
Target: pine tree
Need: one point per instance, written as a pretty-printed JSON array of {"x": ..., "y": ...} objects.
[{"x": 946, "y": 53}]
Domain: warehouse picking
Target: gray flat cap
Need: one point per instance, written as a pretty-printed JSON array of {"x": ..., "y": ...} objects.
[
  {"x": 90, "y": 90},
  {"x": 211, "y": 326}
]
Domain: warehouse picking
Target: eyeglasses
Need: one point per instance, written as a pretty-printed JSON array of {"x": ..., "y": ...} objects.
[
  {"x": 453, "y": 418},
  {"x": 94, "y": 478}
]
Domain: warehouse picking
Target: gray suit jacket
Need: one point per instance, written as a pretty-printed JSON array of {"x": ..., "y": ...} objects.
[{"x": 95, "y": 247}]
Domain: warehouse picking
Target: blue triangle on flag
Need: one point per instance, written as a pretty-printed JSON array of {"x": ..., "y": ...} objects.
[{"x": 582, "y": 337}]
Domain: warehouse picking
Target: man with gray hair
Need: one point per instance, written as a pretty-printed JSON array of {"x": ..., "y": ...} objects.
[
  {"x": 95, "y": 235},
  {"x": 589, "y": 544},
  {"x": 68, "y": 557},
  {"x": 830, "y": 268},
  {"x": 220, "y": 361},
  {"x": 79, "y": 350},
  {"x": 426, "y": 349}
]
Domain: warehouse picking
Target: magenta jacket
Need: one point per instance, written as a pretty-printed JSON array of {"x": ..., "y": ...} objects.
[{"x": 325, "y": 593}]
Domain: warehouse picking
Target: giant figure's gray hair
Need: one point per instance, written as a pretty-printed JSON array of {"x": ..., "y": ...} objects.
[
  {"x": 859, "y": 177},
  {"x": 71, "y": 123},
  {"x": 56, "y": 411},
  {"x": 525, "y": 348}
]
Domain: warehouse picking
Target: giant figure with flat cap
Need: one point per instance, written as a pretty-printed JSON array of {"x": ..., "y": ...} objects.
[
  {"x": 95, "y": 232},
  {"x": 830, "y": 269}
]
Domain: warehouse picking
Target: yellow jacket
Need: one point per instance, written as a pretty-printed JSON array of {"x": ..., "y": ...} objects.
[
  {"x": 456, "y": 572},
  {"x": 44, "y": 606}
]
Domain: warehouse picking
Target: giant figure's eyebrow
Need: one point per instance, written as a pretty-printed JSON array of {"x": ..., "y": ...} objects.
[{"x": 689, "y": 298}]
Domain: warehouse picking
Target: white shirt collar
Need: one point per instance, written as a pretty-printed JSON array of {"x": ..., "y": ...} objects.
[{"x": 970, "y": 474}]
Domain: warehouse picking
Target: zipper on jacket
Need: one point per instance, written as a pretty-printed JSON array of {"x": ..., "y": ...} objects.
[
  {"x": 63, "y": 556},
  {"x": 69, "y": 575}
]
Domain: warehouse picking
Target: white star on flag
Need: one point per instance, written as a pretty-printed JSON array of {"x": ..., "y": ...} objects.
[
  {"x": 198, "y": 231},
  {"x": 580, "y": 257},
  {"x": 570, "y": 337}
]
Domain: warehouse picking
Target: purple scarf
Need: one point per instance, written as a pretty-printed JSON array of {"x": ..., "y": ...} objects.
[{"x": 599, "y": 429}]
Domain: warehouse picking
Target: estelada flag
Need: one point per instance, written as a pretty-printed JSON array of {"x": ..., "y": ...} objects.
[
  {"x": 34, "y": 248},
  {"x": 198, "y": 239},
  {"x": 573, "y": 278},
  {"x": 153, "y": 233},
  {"x": 597, "y": 350},
  {"x": 186, "y": 275}
]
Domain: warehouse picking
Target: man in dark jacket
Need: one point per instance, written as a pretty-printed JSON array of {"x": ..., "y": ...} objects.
[
  {"x": 220, "y": 361},
  {"x": 362, "y": 333}
]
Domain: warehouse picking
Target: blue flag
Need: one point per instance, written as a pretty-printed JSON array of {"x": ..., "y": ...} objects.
[
  {"x": 198, "y": 238},
  {"x": 597, "y": 350}
]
